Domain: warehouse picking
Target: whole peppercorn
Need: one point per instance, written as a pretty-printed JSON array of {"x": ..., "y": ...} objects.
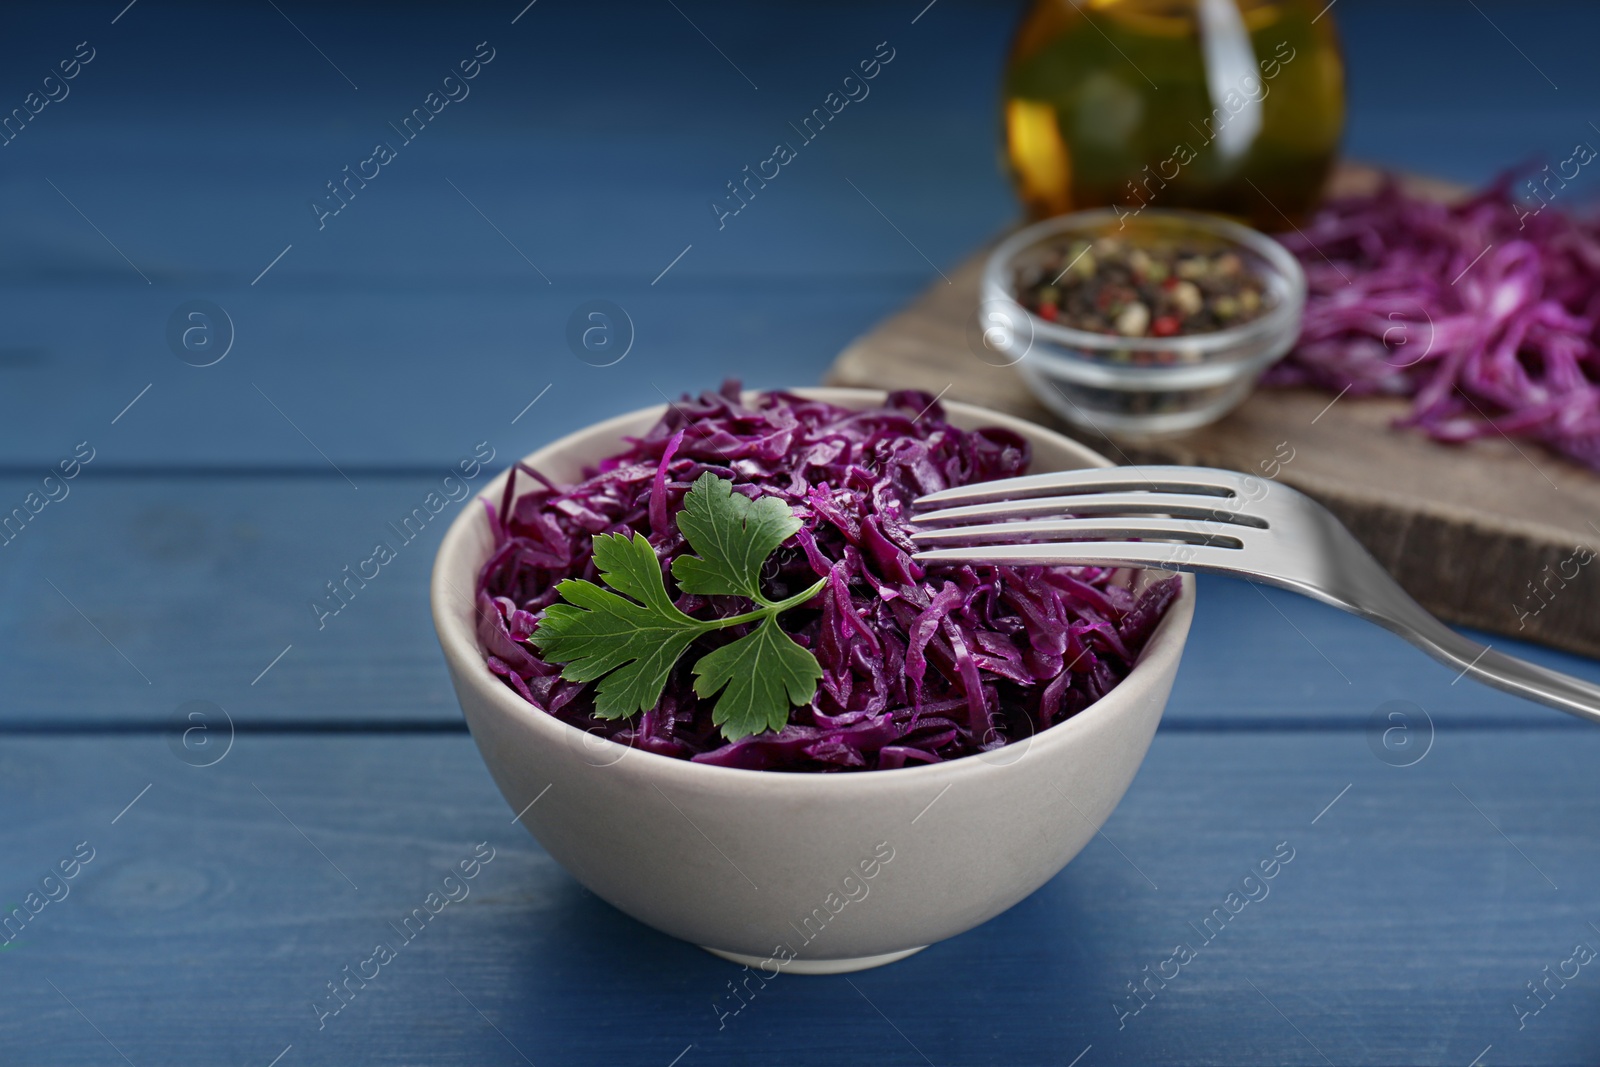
[{"x": 1148, "y": 288}]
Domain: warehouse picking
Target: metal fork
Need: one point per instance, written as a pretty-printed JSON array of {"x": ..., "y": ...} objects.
[{"x": 1204, "y": 519}]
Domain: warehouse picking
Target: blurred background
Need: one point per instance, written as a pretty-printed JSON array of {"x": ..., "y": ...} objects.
[{"x": 583, "y": 163}]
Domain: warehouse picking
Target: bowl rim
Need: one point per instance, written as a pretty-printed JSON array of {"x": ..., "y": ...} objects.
[
  {"x": 1281, "y": 318},
  {"x": 458, "y": 638}
]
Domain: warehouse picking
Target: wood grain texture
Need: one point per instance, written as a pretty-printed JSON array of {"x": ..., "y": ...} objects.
[
  {"x": 206, "y": 925},
  {"x": 1470, "y": 530},
  {"x": 207, "y": 922},
  {"x": 419, "y": 319},
  {"x": 198, "y": 584},
  {"x": 366, "y": 377}
]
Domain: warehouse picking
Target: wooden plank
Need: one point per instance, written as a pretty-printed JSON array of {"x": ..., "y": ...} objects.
[
  {"x": 387, "y": 376},
  {"x": 378, "y": 333},
  {"x": 200, "y": 588},
  {"x": 589, "y": 175},
  {"x": 1402, "y": 930},
  {"x": 201, "y": 583},
  {"x": 207, "y": 932},
  {"x": 1471, "y": 531},
  {"x": 600, "y": 179}
]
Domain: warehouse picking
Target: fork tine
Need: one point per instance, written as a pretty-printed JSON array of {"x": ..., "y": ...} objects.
[
  {"x": 1146, "y": 554},
  {"x": 1111, "y": 528},
  {"x": 1201, "y": 481},
  {"x": 1173, "y": 504}
]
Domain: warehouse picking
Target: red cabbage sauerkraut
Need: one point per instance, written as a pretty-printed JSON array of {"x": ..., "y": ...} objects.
[
  {"x": 1486, "y": 314},
  {"x": 919, "y": 664}
]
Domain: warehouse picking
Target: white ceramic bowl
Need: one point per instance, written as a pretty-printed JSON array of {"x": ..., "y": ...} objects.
[{"x": 809, "y": 873}]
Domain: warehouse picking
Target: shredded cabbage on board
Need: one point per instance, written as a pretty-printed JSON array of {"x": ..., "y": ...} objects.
[
  {"x": 919, "y": 664},
  {"x": 1486, "y": 314}
]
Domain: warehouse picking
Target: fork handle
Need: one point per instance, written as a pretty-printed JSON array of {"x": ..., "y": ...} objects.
[
  {"x": 1365, "y": 588},
  {"x": 1572, "y": 695},
  {"x": 1529, "y": 680}
]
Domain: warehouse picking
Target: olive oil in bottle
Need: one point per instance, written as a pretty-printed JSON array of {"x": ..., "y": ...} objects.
[{"x": 1234, "y": 106}]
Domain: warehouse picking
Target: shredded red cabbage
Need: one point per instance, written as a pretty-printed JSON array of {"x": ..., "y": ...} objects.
[
  {"x": 1486, "y": 314},
  {"x": 918, "y": 666}
]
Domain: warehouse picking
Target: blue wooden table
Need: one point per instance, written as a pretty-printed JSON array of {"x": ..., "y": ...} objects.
[{"x": 191, "y": 905}]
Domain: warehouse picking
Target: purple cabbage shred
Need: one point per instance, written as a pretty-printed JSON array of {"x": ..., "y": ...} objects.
[
  {"x": 919, "y": 665},
  {"x": 1485, "y": 313}
]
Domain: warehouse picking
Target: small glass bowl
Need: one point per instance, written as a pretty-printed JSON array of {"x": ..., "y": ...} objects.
[{"x": 1139, "y": 385}]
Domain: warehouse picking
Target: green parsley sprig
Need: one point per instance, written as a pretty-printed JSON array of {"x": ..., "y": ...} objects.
[{"x": 631, "y": 635}]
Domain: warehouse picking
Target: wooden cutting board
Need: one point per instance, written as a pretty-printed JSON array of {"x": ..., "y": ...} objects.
[{"x": 1492, "y": 534}]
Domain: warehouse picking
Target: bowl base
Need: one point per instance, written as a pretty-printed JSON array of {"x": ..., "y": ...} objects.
[{"x": 799, "y": 966}]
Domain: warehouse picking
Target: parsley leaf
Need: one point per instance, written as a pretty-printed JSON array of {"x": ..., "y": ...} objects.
[
  {"x": 733, "y": 535},
  {"x": 631, "y": 645},
  {"x": 598, "y": 633},
  {"x": 765, "y": 672}
]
